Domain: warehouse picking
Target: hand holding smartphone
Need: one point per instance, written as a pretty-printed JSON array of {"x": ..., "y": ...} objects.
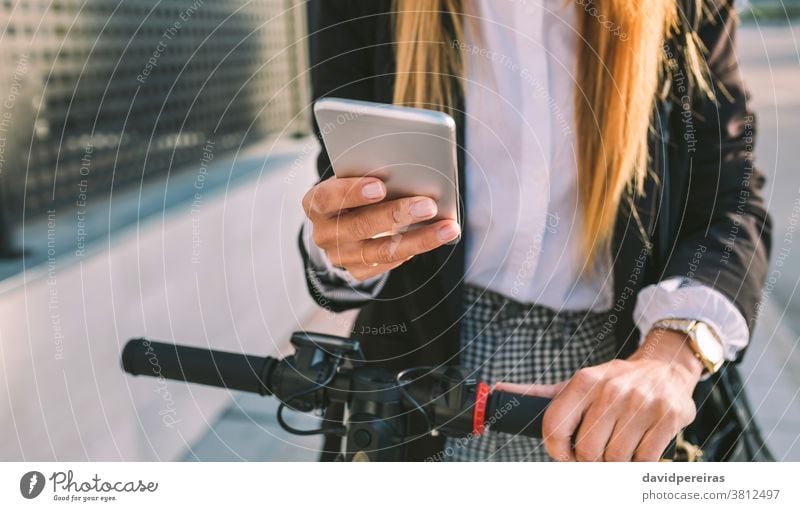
[{"x": 395, "y": 194}]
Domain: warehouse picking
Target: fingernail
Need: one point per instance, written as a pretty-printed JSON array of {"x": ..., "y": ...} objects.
[
  {"x": 423, "y": 208},
  {"x": 373, "y": 190},
  {"x": 448, "y": 232}
]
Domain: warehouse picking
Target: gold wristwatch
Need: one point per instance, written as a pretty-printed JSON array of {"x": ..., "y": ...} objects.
[{"x": 705, "y": 343}]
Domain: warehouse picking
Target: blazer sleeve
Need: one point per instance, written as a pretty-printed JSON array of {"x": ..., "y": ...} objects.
[
  {"x": 341, "y": 57},
  {"x": 724, "y": 216}
]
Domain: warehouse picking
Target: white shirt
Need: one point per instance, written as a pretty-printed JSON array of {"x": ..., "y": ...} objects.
[
  {"x": 521, "y": 169},
  {"x": 523, "y": 221}
]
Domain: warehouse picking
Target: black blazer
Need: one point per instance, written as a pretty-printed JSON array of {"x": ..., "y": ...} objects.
[{"x": 702, "y": 191}]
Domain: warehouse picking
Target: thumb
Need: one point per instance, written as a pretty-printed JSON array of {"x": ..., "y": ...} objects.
[{"x": 532, "y": 389}]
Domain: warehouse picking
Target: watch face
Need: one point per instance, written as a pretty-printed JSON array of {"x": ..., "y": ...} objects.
[{"x": 708, "y": 344}]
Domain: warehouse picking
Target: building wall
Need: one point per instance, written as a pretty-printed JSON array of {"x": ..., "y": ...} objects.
[{"x": 97, "y": 96}]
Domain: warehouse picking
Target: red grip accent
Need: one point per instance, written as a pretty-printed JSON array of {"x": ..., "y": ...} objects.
[{"x": 479, "y": 417}]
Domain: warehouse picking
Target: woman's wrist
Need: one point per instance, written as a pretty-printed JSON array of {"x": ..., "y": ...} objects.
[{"x": 673, "y": 348}]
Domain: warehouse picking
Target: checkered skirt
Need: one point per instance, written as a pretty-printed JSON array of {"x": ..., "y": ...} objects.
[{"x": 504, "y": 340}]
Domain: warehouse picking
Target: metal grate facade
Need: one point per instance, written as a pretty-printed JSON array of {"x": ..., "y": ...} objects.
[{"x": 101, "y": 94}]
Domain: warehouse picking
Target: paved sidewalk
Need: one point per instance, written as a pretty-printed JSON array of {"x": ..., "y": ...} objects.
[{"x": 248, "y": 429}]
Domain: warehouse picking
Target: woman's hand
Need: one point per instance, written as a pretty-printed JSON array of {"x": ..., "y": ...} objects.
[
  {"x": 622, "y": 410},
  {"x": 347, "y": 213}
]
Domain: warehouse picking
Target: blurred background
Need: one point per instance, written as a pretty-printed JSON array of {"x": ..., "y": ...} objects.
[{"x": 152, "y": 159}]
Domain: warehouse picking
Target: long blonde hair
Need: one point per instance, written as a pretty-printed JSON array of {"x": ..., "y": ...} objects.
[{"x": 617, "y": 77}]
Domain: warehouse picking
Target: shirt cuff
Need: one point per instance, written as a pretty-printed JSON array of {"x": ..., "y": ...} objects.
[
  {"x": 667, "y": 300},
  {"x": 337, "y": 283}
]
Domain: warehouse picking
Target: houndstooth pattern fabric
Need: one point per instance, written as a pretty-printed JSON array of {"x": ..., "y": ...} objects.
[{"x": 504, "y": 340}]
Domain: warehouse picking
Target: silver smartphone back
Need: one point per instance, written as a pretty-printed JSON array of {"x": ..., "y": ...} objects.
[{"x": 412, "y": 150}]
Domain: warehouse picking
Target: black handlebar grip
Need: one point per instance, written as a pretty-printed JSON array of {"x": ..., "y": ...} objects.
[
  {"x": 516, "y": 413},
  {"x": 196, "y": 365}
]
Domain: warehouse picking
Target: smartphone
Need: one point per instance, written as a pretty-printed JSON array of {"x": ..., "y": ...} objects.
[{"x": 412, "y": 150}]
